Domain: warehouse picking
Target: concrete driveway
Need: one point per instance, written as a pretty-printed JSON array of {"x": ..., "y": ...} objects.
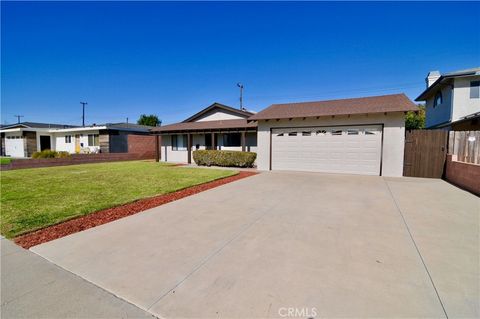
[{"x": 292, "y": 245}]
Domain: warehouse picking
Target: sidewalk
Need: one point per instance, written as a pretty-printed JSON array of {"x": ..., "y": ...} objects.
[{"x": 32, "y": 287}]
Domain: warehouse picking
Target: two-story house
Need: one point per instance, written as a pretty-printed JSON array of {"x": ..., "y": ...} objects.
[{"x": 452, "y": 100}]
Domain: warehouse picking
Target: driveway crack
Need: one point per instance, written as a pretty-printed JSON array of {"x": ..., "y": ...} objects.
[{"x": 416, "y": 247}]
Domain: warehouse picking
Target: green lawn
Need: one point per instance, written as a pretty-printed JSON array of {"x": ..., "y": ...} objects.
[
  {"x": 5, "y": 160},
  {"x": 34, "y": 198}
]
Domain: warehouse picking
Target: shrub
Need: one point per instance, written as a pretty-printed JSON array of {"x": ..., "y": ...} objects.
[
  {"x": 224, "y": 158},
  {"x": 50, "y": 154},
  {"x": 62, "y": 154}
]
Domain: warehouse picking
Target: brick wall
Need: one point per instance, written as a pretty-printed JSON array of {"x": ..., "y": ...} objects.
[
  {"x": 142, "y": 144},
  {"x": 74, "y": 159},
  {"x": 464, "y": 175}
]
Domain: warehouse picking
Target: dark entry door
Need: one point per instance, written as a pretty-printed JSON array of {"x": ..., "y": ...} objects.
[{"x": 45, "y": 142}]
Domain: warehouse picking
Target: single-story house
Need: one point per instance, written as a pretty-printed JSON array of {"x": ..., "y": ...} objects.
[
  {"x": 24, "y": 139},
  {"x": 218, "y": 127},
  {"x": 355, "y": 136}
]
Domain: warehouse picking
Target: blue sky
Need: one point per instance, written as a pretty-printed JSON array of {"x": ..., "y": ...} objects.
[{"x": 172, "y": 59}]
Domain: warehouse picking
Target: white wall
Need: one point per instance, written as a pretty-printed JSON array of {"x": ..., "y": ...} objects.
[
  {"x": 463, "y": 105},
  {"x": 393, "y": 137},
  {"x": 440, "y": 113},
  {"x": 217, "y": 114},
  {"x": 58, "y": 141}
]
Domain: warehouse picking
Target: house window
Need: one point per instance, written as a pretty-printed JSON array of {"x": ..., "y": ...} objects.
[
  {"x": 475, "y": 89},
  {"x": 93, "y": 140},
  {"x": 179, "y": 142},
  {"x": 232, "y": 139},
  {"x": 438, "y": 99},
  {"x": 68, "y": 139}
]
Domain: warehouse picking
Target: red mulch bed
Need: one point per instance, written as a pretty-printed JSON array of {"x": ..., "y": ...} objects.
[{"x": 107, "y": 215}]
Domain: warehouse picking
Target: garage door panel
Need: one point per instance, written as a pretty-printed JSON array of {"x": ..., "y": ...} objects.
[{"x": 350, "y": 149}]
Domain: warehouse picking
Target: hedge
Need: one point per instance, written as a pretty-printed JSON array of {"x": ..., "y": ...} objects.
[
  {"x": 224, "y": 158},
  {"x": 50, "y": 154}
]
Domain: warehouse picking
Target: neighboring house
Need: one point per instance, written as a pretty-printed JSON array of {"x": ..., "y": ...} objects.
[
  {"x": 452, "y": 100},
  {"x": 358, "y": 136},
  {"x": 24, "y": 139},
  {"x": 217, "y": 127}
]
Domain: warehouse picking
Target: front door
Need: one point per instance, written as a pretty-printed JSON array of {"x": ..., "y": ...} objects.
[
  {"x": 77, "y": 143},
  {"x": 45, "y": 143}
]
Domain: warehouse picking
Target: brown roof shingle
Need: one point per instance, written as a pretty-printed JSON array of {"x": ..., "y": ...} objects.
[
  {"x": 373, "y": 104},
  {"x": 205, "y": 125}
]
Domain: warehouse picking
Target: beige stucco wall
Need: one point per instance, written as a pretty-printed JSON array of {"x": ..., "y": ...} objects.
[
  {"x": 216, "y": 115},
  {"x": 393, "y": 137},
  {"x": 463, "y": 105},
  {"x": 440, "y": 113}
]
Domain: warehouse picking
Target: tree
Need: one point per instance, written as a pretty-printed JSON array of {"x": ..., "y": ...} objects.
[
  {"x": 149, "y": 120},
  {"x": 415, "y": 120}
]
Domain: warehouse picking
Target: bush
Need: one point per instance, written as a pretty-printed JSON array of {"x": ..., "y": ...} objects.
[
  {"x": 50, "y": 154},
  {"x": 224, "y": 158}
]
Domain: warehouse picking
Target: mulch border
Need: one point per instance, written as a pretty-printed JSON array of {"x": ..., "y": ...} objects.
[{"x": 110, "y": 214}]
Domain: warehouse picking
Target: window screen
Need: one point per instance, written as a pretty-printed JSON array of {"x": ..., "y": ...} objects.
[
  {"x": 179, "y": 142},
  {"x": 475, "y": 89}
]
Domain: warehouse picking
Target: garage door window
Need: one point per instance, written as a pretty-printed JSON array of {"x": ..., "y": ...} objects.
[
  {"x": 306, "y": 133},
  {"x": 280, "y": 134},
  {"x": 352, "y": 132},
  {"x": 337, "y": 132},
  {"x": 321, "y": 132},
  {"x": 370, "y": 132},
  {"x": 292, "y": 134}
]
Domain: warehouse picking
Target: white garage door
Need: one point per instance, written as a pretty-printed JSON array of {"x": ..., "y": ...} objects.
[
  {"x": 346, "y": 149},
  {"x": 14, "y": 146}
]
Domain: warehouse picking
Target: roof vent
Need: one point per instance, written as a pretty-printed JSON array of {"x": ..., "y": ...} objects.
[{"x": 432, "y": 77}]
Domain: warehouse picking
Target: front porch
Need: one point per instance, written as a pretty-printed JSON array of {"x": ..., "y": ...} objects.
[{"x": 178, "y": 146}]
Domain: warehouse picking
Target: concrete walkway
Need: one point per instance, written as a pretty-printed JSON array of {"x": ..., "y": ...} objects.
[
  {"x": 323, "y": 245},
  {"x": 32, "y": 287}
]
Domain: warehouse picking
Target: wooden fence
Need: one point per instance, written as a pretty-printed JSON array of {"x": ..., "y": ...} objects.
[{"x": 466, "y": 145}]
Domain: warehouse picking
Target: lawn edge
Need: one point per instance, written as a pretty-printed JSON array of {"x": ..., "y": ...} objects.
[{"x": 80, "y": 223}]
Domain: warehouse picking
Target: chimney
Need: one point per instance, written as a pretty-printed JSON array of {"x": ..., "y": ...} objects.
[{"x": 432, "y": 77}]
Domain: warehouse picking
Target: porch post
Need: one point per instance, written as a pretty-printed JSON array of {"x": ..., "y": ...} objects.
[
  {"x": 243, "y": 141},
  {"x": 213, "y": 141},
  {"x": 189, "y": 147},
  {"x": 157, "y": 148}
]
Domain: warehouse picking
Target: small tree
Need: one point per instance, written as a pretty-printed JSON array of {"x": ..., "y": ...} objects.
[
  {"x": 415, "y": 120},
  {"x": 149, "y": 120}
]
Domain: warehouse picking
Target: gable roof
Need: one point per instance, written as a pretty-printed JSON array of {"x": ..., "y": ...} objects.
[
  {"x": 372, "y": 104},
  {"x": 215, "y": 105},
  {"x": 444, "y": 79}
]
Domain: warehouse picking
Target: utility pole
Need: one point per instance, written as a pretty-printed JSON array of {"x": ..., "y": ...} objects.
[
  {"x": 83, "y": 112},
  {"x": 240, "y": 85},
  {"x": 18, "y": 118},
  {"x": 127, "y": 120}
]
